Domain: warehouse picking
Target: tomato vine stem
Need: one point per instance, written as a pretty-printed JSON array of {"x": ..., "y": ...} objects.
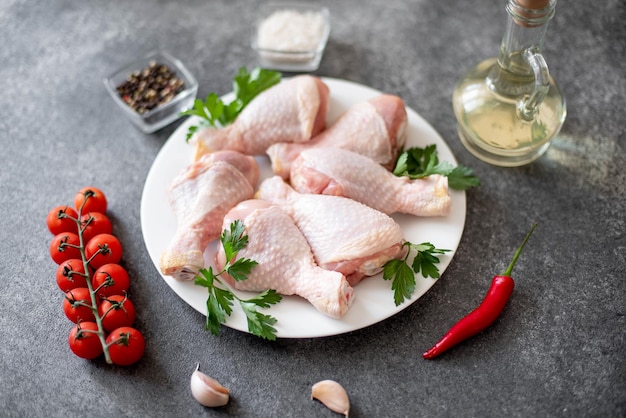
[{"x": 94, "y": 301}]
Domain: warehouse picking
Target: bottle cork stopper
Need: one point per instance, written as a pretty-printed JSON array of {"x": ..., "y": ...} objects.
[
  {"x": 533, "y": 4},
  {"x": 529, "y": 10}
]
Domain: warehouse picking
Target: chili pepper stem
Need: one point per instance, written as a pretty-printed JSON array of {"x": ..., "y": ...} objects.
[{"x": 509, "y": 269}]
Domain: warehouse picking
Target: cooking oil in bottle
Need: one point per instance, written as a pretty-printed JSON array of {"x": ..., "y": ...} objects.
[{"x": 509, "y": 108}]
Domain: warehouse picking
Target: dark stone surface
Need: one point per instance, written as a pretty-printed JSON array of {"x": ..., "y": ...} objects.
[{"x": 559, "y": 348}]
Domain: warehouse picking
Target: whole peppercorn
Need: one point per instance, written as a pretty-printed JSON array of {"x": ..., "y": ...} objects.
[{"x": 150, "y": 87}]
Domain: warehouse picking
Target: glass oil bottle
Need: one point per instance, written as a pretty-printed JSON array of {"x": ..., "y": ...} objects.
[{"x": 509, "y": 108}]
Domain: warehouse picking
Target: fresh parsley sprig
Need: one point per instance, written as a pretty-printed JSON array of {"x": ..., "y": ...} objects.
[
  {"x": 220, "y": 301},
  {"x": 212, "y": 111},
  {"x": 417, "y": 163},
  {"x": 403, "y": 276}
]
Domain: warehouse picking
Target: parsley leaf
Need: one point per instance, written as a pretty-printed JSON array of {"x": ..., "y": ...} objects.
[
  {"x": 212, "y": 111},
  {"x": 403, "y": 284},
  {"x": 219, "y": 303},
  {"x": 462, "y": 178},
  {"x": 417, "y": 163},
  {"x": 240, "y": 269},
  {"x": 247, "y": 86},
  {"x": 220, "y": 300},
  {"x": 266, "y": 299},
  {"x": 191, "y": 132},
  {"x": 258, "y": 323},
  {"x": 403, "y": 276},
  {"x": 233, "y": 239},
  {"x": 425, "y": 259}
]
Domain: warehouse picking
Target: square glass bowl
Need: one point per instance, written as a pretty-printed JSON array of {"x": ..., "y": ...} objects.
[
  {"x": 165, "y": 113},
  {"x": 291, "y": 36}
]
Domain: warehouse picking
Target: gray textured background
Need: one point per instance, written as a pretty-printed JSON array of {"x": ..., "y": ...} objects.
[{"x": 559, "y": 348}]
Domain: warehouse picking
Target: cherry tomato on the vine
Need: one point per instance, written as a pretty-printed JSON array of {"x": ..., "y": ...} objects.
[
  {"x": 58, "y": 221},
  {"x": 105, "y": 249},
  {"x": 126, "y": 346},
  {"x": 64, "y": 246},
  {"x": 95, "y": 223},
  {"x": 93, "y": 198},
  {"x": 77, "y": 305},
  {"x": 116, "y": 311},
  {"x": 71, "y": 274},
  {"x": 84, "y": 341},
  {"x": 110, "y": 279}
]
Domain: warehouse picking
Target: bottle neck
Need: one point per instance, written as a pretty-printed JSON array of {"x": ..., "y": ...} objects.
[{"x": 525, "y": 29}]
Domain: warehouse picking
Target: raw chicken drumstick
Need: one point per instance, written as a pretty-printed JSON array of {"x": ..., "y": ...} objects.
[
  {"x": 291, "y": 111},
  {"x": 341, "y": 172},
  {"x": 375, "y": 128},
  {"x": 200, "y": 196},
  {"x": 345, "y": 235},
  {"x": 285, "y": 261}
]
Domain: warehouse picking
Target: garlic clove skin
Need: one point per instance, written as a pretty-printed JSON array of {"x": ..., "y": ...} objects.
[
  {"x": 332, "y": 395},
  {"x": 208, "y": 391}
]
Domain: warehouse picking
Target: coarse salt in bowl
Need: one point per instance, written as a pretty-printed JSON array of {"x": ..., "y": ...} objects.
[{"x": 291, "y": 36}]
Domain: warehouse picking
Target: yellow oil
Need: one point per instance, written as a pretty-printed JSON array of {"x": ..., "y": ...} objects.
[{"x": 486, "y": 102}]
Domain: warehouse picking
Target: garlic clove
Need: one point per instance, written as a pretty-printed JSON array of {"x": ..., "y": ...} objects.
[
  {"x": 332, "y": 395},
  {"x": 208, "y": 391}
]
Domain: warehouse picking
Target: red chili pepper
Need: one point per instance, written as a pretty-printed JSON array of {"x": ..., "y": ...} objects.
[{"x": 485, "y": 314}]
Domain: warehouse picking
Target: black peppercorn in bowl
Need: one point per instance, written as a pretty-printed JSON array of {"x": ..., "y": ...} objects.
[{"x": 153, "y": 90}]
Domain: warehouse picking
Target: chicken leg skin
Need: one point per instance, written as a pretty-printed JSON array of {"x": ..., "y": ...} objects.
[
  {"x": 285, "y": 261},
  {"x": 200, "y": 196}
]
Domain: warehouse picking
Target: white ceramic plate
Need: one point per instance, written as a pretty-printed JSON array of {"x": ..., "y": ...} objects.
[{"x": 373, "y": 301}]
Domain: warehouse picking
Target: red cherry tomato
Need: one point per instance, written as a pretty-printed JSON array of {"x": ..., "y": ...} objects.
[
  {"x": 70, "y": 275},
  {"x": 64, "y": 247},
  {"x": 105, "y": 249},
  {"x": 116, "y": 311},
  {"x": 93, "y": 199},
  {"x": 84, "y": 341},
  {"x": 110, "y": 279},
  {"x": 126, "y": 346},
  {"x": 77, "y": 305},
  {"x": 95, "y": 223},
  {"x": 58, "y": 221}
]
